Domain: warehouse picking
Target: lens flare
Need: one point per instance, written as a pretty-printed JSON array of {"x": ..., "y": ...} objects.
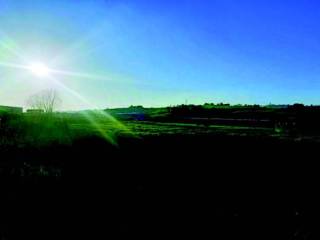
[{"x": 39, "y": 69}]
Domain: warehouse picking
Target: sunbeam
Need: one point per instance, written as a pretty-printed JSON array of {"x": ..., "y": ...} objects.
[
  {"x": 82, "y": 43},
  {"x": 41, "y": 70},
  {"x": 7, "y": 43},
  {"x": 91, "y": 118},
  {"x": 13, "y": 65},
  {"x": 80, "y": 75}
]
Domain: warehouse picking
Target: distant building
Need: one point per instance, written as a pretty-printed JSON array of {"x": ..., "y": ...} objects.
[
  {"x": 10, "y": 109},
  {"x": 35, "y": 111}
]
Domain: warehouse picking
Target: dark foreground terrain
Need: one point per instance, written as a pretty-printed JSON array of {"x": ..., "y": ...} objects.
[{"x": 186, "y": 181}]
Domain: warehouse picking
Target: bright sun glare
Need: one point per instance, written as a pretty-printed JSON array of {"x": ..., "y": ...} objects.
[{"x": 39, "y": 69}]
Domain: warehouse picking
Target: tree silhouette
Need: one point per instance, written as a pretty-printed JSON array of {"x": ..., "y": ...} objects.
[{"x": 46, "y": 100}]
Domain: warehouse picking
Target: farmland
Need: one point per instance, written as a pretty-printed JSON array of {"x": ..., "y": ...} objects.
[
  {"x": 123, "y": 168},
  {"x": 35, "y": 131}
]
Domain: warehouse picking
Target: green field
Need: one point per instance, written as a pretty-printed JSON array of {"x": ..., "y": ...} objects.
[{"x": 65, "y": 127}]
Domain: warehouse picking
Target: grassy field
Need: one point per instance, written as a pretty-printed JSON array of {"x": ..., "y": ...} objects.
[
  {"x": 62, "y": 128},
  {"x": 32, "y": 130},
  {"x": 38, "y": 144},
  {"x": 134, "y": 174}
]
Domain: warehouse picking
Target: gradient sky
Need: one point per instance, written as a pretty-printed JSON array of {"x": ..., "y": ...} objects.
[{"x": 158, "y": 53}]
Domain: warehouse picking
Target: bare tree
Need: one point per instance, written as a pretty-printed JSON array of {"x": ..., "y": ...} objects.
[{"x": 46, "y": 100}]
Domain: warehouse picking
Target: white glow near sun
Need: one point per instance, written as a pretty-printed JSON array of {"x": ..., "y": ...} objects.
[{"x": 39, "y": 69}]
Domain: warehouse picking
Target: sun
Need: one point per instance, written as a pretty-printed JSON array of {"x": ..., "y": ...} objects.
[{"x": 39, "y": 69}]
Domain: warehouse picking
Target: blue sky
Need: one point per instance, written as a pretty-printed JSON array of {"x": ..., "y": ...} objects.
[{"x": 158, "y": 53}]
